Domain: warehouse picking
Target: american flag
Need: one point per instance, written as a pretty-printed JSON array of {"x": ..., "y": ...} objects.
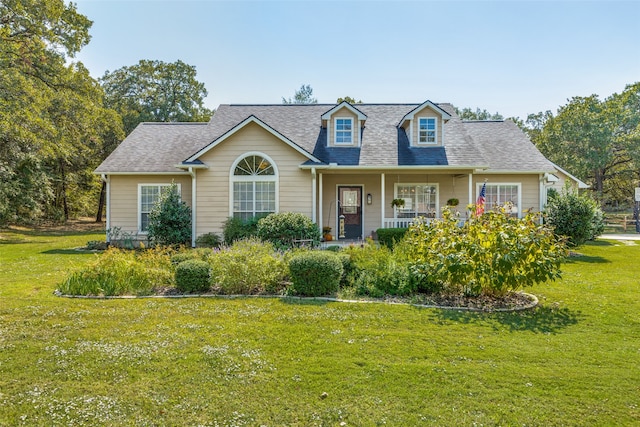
[{"x": 480, "y": 201}]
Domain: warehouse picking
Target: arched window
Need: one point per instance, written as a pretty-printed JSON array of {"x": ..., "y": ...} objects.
[{"x": 253, "y": 179}]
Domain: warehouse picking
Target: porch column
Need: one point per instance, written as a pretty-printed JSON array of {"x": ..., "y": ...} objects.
[
  {"x": 320, "y": 222},
  {"x": 314, "y": 206},
  {"x": 470, "y": 189},
  {"x": 382, "y": 201}
]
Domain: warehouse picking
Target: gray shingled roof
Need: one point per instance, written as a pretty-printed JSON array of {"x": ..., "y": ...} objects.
[{"x": 158, "y": 147}]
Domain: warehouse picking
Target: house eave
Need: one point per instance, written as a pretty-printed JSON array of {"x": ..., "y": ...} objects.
[
  {"x": 469, "y": 168},
  {"x": 178, "y": 172}
]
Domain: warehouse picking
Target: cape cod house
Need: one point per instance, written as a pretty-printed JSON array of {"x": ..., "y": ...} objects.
[{"x": 329, "y": 162}]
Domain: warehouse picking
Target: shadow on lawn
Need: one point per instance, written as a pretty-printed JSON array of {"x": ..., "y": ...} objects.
[
  {"x": 541, "y": 319},
  {"x": 65, "y": 252}
]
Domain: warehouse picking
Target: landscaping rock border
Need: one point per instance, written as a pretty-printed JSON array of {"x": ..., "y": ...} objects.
[{"x": 488, "y": 308}]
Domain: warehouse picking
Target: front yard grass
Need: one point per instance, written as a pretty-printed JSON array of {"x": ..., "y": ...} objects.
[{"x": 253, "y": 361}]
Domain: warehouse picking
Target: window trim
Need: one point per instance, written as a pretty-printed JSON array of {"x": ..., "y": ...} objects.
[
  {"x": 499, "y": 184},
  {"x": 415, "y": 184},
  {"x": 335, "y": 131},
  {"x": 275, "y": 178},
  {"x": 435, "y": 131},
  {"x": 151, "y": 184}
]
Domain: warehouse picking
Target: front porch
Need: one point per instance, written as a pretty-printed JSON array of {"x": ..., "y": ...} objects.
[{"x": 355, "y": 205}]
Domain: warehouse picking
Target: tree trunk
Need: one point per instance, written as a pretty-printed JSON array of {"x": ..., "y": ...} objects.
[
  {"x": 64, "y": 192},
  {"x": 103, "y": 190}
]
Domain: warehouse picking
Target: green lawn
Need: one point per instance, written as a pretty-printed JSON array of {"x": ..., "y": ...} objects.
[{"x": 236, "y": 362}]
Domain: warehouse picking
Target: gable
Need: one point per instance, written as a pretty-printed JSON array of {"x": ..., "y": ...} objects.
[
  {"x": 251, "y": 138},
  {"x": 251, "y": 122}
]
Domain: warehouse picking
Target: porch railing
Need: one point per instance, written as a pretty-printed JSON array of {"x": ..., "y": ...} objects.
[{"x": 406, "y": 222}]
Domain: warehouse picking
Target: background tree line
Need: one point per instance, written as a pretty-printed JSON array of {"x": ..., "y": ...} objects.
[{"x": 57, "y": 123}]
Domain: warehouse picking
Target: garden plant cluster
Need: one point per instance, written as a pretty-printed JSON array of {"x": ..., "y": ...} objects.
[{"x": 493, "y": 254}]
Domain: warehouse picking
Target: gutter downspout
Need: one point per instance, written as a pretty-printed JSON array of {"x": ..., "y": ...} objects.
[
  {"x": 382, "y": 199},
  {"x": 193, "y": 206},
  {"x": 314, "y": 204},
  {"x": 107, "y": 202},
  {"x": 471, "y": 201},
  {"x": 543, "y": 195}
]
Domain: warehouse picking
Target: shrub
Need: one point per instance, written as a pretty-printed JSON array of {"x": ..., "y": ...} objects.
[
  {"x": 575, "y": 216},
  {"x": 237, "y": 229},
  {"x": 170, "y": 220},
  {"x": 491, "y": 254},
  {"x": 315, "y": 273},
  {"x": 121, "y": 272},
  {"x": 249, "y": 266},
  {"x": 390, "y": 236},
  {"x": 281, "y": 229},
  {"x": 375, "y": 271},
  {"x": 193, "y": 275},
  {"x": 208, "y": 240},
  {"x": 202, "y": 254}
]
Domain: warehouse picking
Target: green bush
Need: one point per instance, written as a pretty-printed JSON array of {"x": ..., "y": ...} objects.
[
  {"x": 208, "y": 240},
  {"x": 492, "y": 254},
  {"x": 203, "y": 254},
  {"x": 390, "y": 236},
  {"x": 193, "y": 275},
  {"x": 376, "y": 271},
  {"x": 575, "y": 216},
  {"x": 237, "y": 229},
  {"x": 121, "y": 272},
  {"x": 170, "y": 220},
  {"x": 249, "y": 266},
  {"x": 315, "y": 273},
  {"x": 281, "y": 229}
]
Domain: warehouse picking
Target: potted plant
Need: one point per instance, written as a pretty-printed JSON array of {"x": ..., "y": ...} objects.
[
  {"x": 453, "y": 202},
  {"x": 397, "y": 203},
  {"x": 326, "y": 233}
]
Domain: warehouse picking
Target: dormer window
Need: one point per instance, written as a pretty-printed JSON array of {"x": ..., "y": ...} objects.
[
  {"x": 427, "y": 129},
  {"x": 344, "y": 131}
]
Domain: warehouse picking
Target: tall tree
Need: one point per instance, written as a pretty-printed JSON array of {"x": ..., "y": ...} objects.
[
  {"x": 596, "y": 140},
  {"x": 304, "y": 95},
  {"x": 48, "y": 105},
  {"x": 155, "y": 91}
]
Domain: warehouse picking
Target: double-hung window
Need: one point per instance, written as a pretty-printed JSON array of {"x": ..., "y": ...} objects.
[
  {"x": 502, "y": 195},
  {"x": 148, "y": 196},
  {"x": 419, "y": 200},
  {"x": 254, "y": 188},
  {"x": 344, "y": 131},
  {"x": 427, "y": 130}
]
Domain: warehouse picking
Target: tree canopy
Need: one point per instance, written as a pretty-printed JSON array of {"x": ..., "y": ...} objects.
[
  {"x": 596, "y": 140},
  {"x": 53, "y": 122},
  {"x": 304, "y": 95},
  {"x": 155, "y": 91},
  {"x": 348, "y": 99},
  {"x": 469, "y": 114}
]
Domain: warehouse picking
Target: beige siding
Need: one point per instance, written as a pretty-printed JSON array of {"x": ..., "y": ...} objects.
[
  {"x": 427, "y": 112},
  {"x": 124, "y": 202},
  {"x": 213, "y": 185},
  {"x": 342, "y": 113}
]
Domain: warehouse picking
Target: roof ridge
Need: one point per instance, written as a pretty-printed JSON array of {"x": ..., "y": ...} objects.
[{"x": 173, "y": 123}]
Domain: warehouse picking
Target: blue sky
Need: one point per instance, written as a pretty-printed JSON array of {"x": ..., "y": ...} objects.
[{"x": 512, "y": 57}]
